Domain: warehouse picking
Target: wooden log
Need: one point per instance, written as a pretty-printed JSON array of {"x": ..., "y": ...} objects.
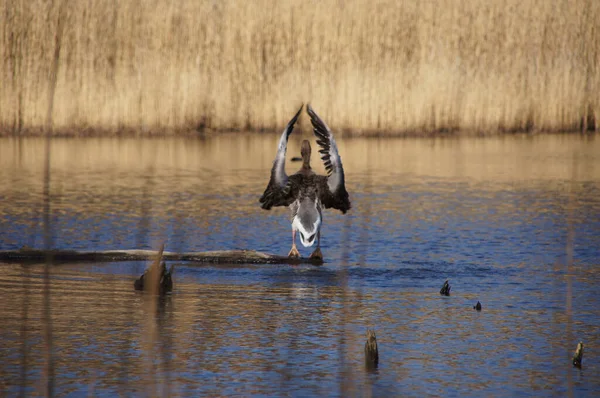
[{"x": 56, "y": 256}]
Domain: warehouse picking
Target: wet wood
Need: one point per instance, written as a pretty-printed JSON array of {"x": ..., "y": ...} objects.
[
  {"x": 219, "y": 256},
  {"x": 445, "y": 290},
  {"x": 578, "y": 356},
  {"x": 156, "y": 279},
  {"x": 371, "y": 351}
]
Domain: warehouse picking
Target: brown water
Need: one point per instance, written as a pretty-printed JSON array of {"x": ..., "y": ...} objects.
[{"x": 514, "y": 222}]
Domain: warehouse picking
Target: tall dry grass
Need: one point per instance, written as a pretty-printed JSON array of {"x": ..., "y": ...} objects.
[{"x": 366, "y": 66}]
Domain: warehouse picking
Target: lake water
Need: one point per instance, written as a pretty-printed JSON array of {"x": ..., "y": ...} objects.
[{"x": 513, "y": 222}]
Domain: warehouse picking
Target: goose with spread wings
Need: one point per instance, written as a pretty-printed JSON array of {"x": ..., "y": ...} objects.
[{"x": 305, "y": 192}]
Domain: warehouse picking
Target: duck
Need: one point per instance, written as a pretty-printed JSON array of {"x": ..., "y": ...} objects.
[{"x": 305, "y": 192}]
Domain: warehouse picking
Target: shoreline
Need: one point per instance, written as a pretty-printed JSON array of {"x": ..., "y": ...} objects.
[{"x": 342, "y": 133}]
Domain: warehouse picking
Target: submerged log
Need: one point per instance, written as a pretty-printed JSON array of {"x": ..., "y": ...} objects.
[
  {"x": 27, "y": 255},
  {"x": 371, "y": 351}
]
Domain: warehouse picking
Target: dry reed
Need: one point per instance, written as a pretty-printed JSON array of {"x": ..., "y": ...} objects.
[{"x": 367, "y": 66}]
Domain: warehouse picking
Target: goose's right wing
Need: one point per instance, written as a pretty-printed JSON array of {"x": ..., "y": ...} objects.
[
  {"x": 332, "y": 188},
  {"x": 276, "y": 193}
]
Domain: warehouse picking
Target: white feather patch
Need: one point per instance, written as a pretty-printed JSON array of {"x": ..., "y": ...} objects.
[{"x": 297, "y": 226}]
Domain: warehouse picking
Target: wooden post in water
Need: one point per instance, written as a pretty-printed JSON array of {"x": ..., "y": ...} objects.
[
  {"x": 156, "y": 279},
  {"x": 578, "y": 356},
  {"x": 445, "y": 290},
  {"x": 371, "y": 351}
]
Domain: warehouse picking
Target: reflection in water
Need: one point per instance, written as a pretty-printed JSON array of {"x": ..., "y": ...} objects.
[
  {"x": 47, "y": 317},
  {"x": 513, "y": 222}
]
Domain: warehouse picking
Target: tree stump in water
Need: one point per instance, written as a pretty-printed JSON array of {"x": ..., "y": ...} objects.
[
  {"x": 156, "y": 279},
  {"x": 445, "y": 290},
  {"x": 578, "y": 356},
  {"x": 371, "y": 351}
]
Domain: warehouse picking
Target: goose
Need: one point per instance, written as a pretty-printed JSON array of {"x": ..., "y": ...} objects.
[{"x": 305, "y": 192}]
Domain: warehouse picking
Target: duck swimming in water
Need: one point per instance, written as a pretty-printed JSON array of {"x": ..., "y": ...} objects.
[{"x": 305, "y": 192}]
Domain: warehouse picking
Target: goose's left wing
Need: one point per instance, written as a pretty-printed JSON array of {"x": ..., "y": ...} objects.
[
  {"x": 276, "y": 193},
  {"x": 332, "y": 190}
]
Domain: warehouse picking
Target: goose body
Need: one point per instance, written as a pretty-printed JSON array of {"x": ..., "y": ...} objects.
[{"x": 305, "y": 192}]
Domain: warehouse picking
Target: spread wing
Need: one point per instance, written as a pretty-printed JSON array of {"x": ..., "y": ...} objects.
[
  {"x": 276, "y": 193},
  {"x": 332, "y": 189}
]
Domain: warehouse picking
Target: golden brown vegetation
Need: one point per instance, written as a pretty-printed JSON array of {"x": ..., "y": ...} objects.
[{"x": 367, "y": 66}]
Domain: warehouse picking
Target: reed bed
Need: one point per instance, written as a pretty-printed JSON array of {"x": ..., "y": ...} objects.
[{"x": 368, "y": 67}]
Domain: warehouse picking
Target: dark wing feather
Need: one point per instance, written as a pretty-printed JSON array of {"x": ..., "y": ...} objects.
[
  {"x": 332, "y": 188},
  {"x": 330, "y": 200},
  {"x": 277, "y": 192}
]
